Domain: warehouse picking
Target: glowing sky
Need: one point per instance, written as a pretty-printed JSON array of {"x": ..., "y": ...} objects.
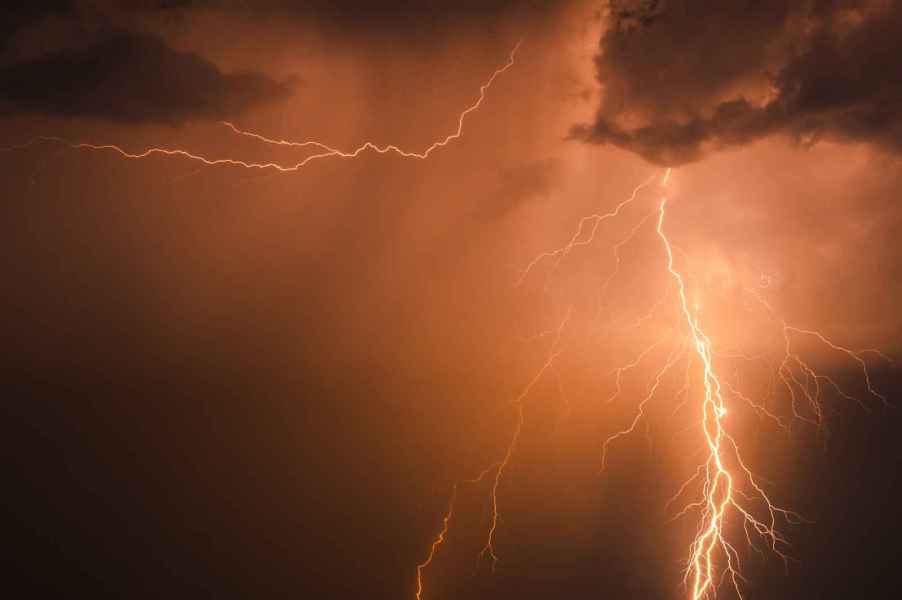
[{"x": 296, "y": 367}]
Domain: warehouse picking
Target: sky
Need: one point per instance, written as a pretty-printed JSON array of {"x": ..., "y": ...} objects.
[{"x": 234, "y": 382}]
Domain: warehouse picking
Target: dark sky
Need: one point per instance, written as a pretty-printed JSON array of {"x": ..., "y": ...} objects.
[
  {"x": 807, "y": 70},
  {"x": 225, "y": 382}
]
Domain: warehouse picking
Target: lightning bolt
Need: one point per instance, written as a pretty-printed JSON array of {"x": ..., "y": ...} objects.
[
  {"x": 329, "y": 152},
  {"x": 719, "y": 484},
  {"x": 591, "y": 223},
  {"x": 489, "y": 548},
  {"x": 440, "y": 537},
  {"x": 499, "y": 467},
  {"x": 323, "y": 150},
  {"x": 729, "y": 488}
]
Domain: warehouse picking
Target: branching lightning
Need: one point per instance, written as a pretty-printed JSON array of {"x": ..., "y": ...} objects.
[
  {"x": 553, "y": 353},
  {"x": 446, "y": 523},
  {"x": 499, "y": 468},
  {"x": 719, "y": 494},
  {"x": 322, "y": 150},
  {"x": 728, "y": 488},
  {"x": 325, "y": 151},
  {"x": 722, "y": 490}
]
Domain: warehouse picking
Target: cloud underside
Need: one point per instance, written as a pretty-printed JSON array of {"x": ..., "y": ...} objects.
[
  {"x": 680, "y": 81},
  {"x": 133, "y": 78}
]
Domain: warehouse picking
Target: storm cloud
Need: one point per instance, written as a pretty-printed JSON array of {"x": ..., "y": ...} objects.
[
  {"x": 681, "y": 79},
  {"x": 132, "y": 77}
]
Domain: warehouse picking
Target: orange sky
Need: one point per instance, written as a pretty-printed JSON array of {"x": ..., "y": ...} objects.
[{"x": 403, "y": 273}]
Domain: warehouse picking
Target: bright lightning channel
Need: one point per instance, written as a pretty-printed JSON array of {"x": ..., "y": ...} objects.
[{"x": 728, "y": 485}]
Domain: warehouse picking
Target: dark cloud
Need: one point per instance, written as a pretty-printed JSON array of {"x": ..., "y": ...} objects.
[
  {"x": 15, "y": 16},
  {"x": 370, "y": 13},
  {"x": 399, "y": 22},
  {"x": 132, "y": 77},
  {"x": 684, "y": 78}
]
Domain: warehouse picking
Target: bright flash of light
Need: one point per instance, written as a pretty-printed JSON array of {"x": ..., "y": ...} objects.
[
  {"x": 725, "y": 487},
  {"x": 728, "y": 489},
  {"x": 322, "y": 150},
  {"x": 719, "y": 486}
]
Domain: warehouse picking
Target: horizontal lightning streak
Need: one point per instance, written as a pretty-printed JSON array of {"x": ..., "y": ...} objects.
[
  {"x": 327, "y": 151},
  {"x": 728, "y": 484}
]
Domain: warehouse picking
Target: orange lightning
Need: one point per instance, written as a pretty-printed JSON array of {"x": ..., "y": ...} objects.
[
  {"x": 443, "y": 532},
  {"x": 499, "y": 468},
  {"x": 553, "y": 353},
  {"x": 323, "y": 151},
  {"x": 438, "y": 541},
  {"x": 729, "y": 487},
  {"x": 580, "y": 239},
  {"x": 719, "y": 485},
  {"x": 723, "y": 469},
  {"x": 326, "y": 151}
]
